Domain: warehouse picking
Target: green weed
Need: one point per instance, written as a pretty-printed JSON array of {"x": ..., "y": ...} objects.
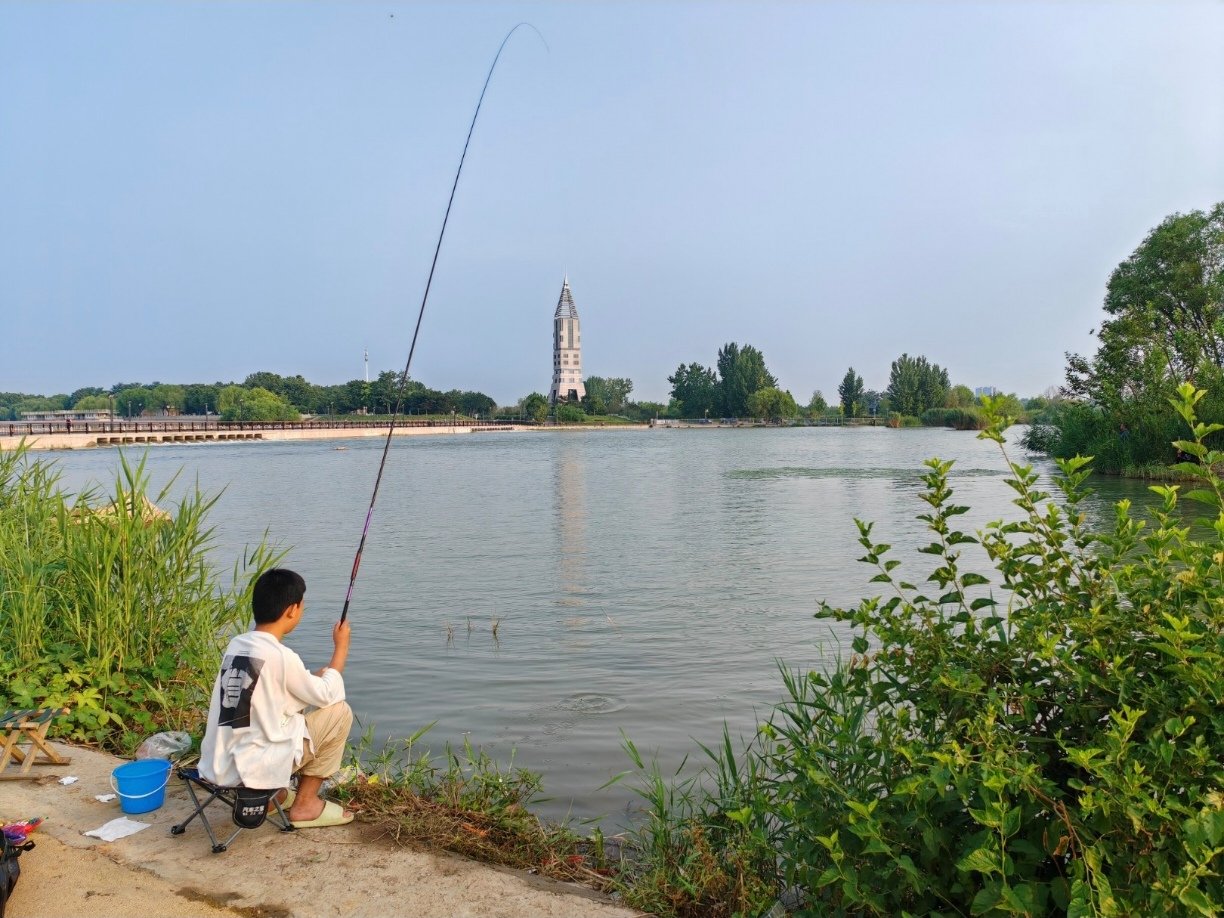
[{"x": 109, "y": 606}]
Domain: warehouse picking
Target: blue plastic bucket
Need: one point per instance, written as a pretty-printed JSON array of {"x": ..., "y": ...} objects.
[{"x": 141, "y": 785}]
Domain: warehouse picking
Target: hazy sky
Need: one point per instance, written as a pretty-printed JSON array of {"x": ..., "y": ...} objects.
[{"x": 192, "y": 192}]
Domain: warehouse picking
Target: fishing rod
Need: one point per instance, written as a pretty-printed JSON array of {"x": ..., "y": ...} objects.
[{"x": 399, "y": 395}]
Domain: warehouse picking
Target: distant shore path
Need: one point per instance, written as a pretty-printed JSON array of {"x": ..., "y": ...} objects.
[{"x": 159, "y": 435}]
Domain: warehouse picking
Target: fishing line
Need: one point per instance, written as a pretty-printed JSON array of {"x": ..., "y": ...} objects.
[{"x": 399, "y": 395}]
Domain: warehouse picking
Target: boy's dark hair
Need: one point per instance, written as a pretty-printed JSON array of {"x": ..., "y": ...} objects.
[{"x": 274, "y": 592}]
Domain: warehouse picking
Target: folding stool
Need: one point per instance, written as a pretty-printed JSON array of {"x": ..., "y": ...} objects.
[
  {"x": 27, "y": 726},
  {"x": 249, "y": 808}
]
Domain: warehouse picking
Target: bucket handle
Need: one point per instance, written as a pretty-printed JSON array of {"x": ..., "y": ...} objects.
[{"x": 156, "y": 790}]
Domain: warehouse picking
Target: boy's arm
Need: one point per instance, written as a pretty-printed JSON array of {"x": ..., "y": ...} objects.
[
  {"x": 325, "y": 686},
  {"x": 341, "y": 634}
]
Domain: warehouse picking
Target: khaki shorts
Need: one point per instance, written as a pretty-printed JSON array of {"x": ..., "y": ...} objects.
[{"x": 329, "y": 729}]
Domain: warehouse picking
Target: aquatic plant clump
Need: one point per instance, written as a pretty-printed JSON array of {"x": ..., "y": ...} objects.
[{"x": 109, "y": 605}]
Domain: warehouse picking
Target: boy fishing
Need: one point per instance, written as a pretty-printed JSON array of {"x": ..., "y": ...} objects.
[{"x": 257, "y": 734}]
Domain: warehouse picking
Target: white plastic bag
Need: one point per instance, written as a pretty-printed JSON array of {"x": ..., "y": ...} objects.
[{"x": 164, "y": 745}]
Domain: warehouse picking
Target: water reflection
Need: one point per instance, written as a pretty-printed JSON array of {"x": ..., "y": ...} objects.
[{"x": 569, "y": 502}]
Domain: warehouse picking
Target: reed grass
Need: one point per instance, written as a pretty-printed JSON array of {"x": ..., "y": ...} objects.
[{"x": 110, "y": 606}]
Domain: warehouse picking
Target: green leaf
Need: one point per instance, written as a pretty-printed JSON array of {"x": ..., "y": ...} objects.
[
  {"x": 1021, "y": 898},
  {"x": 1194, "y": 898},
  {"x": 986, "y": 899},
  {"x": 979, "y": 860},
  {"x": 1011, "y": 821},
  {"x": 1203, "y": 496},
  {"x": 831, "y": 875}
]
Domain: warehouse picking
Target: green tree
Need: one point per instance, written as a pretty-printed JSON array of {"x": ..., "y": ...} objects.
[
  {"x": 696, "y": 389},
  {"x": 569, "y": 413},
  {"x": 239, "y": 403},
  {"x": 817, "y": 405},
  {"x": 132, "y": 402},
  {"x": 201, "y": 398},
  {"x": 92, "y": 402},
  {"x": 915, "y": 384},
  {"x": 164, "y": 396},
  {"x": 384, "y": 392},
  {"x": 262, "y": 379},
  {"x": 20, "y": 403},
  {"x": 333, "y": 400},
  {"x": 299, "y": 393},
  {"x": 960, "y": 396},
  {"x": 85, "y": 392},
  {"x": 1164, "y": 322},
  {"x": 612, "y": 391},
  {"x": 228, "y": 400},
  {"x": 357, "y": 395},
  {"x": 594, "y": 404},
  {"x": 874, "y": 403},
  {"x": 851, "y": 394},
  {"x": 534, "y": 407},
  {"x": 1165, "y": 316},
  {"x": 476, "y": 403},
  {"x": 646, "y": 411},
  {"x": 772, "y": 404},
  {"x": 741, "y": 372}
]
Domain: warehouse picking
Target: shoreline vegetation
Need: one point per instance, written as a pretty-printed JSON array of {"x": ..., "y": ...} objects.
[{"x": 1051, "y": 744}]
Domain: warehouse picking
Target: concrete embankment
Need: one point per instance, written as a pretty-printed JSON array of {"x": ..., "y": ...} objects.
[
  {"x": 341, "y": 871},
  {"x": 60, "y": 440}
]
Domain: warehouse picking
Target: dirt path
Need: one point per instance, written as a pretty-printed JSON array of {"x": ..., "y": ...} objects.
[{"x": 344, "y": 871}]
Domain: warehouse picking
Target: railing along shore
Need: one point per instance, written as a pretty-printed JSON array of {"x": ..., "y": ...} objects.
[{"x": 147, "y": 426}]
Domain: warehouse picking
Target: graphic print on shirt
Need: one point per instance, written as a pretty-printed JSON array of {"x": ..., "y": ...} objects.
[{"x": 239, "y": 674}]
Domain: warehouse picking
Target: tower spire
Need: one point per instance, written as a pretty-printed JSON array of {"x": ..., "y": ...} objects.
[{"x": 567, "y": 384}]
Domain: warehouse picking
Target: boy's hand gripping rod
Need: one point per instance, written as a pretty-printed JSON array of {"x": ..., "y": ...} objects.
[{"x": 399, "y": 396}]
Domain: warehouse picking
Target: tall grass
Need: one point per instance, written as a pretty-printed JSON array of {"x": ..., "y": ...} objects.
[{"x": 108, "y": 605}]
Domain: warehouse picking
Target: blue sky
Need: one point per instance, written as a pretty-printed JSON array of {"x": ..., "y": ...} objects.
[{"x": 195, "y": 191}]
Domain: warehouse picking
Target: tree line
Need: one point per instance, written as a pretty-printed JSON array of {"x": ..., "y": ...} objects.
[
  {"x": 918, "y": 392},
  {"x": 262, "y": 396},
  {"x": 740, "y": 385}
]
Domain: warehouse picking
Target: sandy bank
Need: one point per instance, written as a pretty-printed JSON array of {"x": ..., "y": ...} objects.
[{"x": 347, "y": 871}]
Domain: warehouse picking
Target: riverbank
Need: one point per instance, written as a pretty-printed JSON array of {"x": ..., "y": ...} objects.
[
  {"x": 349, "y": 870},
  {"x": 159, "y": 437}
]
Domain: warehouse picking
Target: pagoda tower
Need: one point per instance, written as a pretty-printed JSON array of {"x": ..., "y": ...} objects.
[{"x": 567, "y": 350}]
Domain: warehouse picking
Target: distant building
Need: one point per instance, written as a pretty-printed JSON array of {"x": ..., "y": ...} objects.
[
  {"x": 992, "y": 391},
  {"x": 567, "y": 350},
  {"x": 69, "y": 414}
]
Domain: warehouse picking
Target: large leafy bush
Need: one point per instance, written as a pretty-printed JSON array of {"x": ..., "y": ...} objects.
[{"x": 1053, "y": 746}]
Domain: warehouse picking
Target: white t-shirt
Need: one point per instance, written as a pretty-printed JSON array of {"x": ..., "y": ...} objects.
[{"x": 255, "y": 723}]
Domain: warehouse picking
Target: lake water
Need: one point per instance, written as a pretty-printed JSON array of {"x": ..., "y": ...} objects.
[{"x": 644, "y": 581}]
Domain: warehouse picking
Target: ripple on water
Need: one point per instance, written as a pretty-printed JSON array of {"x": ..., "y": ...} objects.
[{"x": 592, "y": 703}]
